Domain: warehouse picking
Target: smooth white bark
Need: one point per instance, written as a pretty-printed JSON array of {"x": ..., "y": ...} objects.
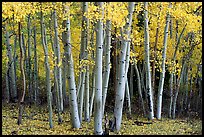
[
  {"x": 162, "y": 74},
  {"x": 147, "y": 64},
  {"x": 122, "y": 70},
  {"x": 98, "y": 69}
]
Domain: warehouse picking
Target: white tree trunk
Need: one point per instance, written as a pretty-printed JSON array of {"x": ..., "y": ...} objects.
[
  {"x": 98, "y": 92},
  {"x": 59, "y": 70},
  {"x": 83, "y": 56},
  {"x": 47, "y": 66},
  {"x": 122, "y": 70},
  {"x": 86, "y": 112},
  {"x": 93, "y": 77},
  {"x": 147, "y": 64},
  {"x": 107, "y": 64},
  {"x": 70, "y": 75},
  {"x": 162, "y": 74},
  {"x": 11, "y": 73}
]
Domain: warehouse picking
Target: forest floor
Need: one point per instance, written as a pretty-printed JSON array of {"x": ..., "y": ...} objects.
[{"x": 35, "y": 122}]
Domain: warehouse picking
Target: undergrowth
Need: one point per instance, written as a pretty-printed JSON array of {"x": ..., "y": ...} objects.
[{"x": 35, "y": 122}]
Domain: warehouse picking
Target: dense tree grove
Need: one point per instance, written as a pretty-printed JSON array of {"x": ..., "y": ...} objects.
[{"x": 97, "y": 58}]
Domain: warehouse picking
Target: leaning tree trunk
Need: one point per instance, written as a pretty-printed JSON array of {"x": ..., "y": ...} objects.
[
  {"x": 21, "y": 102},
  {"x": 126, "y": 85},
  {"x": 172, "y": 75},
  {"x": 177, "y": 90},
  {"x": 147, "y": 64},
  {"x": 185, "y": 59},
  {"x": 122, "y": 74},
  {"x": 98, "y": 69},
  {"x": 162, "y": 74},
  {"x": 47, "y": 67}
]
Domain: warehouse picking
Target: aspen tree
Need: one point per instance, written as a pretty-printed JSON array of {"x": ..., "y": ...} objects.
[
  {"x": 98, "y": 75},
  {"x": 58, "y": 61},
  {"x": 29, "y": 71},
  {"x": 122, "y": 74},
  {"x": 162, "y": 74},
  {"x": 70, "y": 73},
  {"x": 21, "y": 102},
  {"x": 147, "y": 64},
  {"x": 107, "y": 64},
  {"x": 10, "y": 72},
  {"x": 127, "y": 92},
  {"x": 184, "y": 65},
  {"x": 47, "y": 67},
  {"x": 83, "y": 56},
  {"x": 35, "y": 68},
  {"x": 93, "y": 74}
]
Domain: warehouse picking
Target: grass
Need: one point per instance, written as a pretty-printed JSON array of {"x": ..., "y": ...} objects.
[{"x": 39, "y": 125}]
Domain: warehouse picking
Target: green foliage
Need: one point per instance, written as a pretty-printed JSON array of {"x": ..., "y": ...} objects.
[{"x": 37, "y": 124}]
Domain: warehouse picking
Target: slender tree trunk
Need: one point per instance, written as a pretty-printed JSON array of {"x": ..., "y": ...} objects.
[
  {"x": 81, "y": 96},
  {"x": 171, "y": 94},
  {"x": 7, "y": 94},
  {"x": 177, "y": 90},
  {"x": 114, "y": 65},
  {"x": 199, "y": 99},
  {"x": 29, "y": 74},
  {"x": 186, "y": 89},
  {"x": 93, "y": 94},
  {"x": 21, "y": 102},
  {"x": 147, "y": 64},
  {"x": 191, "y": 91},
  {"x": 127, "y": 96},
  {"x": 83, "y": 56},
  {"x": 107, "y": 64},
  {"x": 141, "y": 72},
  {"x": 127, "y": 86},
  {"x": 64, "y": 66},
  {"x": 131, "y": 80},
  {"x": 11, "y": 72},
  {"x": 86, "y": 113},
  {"x": 172, "y": 75},
  {"x": 58, "y": 61},
  {"x": 25, "y": 55},
  {"x": 93, "y": 76},
  {"x": 98, "y": 69},
  {"x": 70, "y": 74},
  {"x": 86, "y": 105},
  {"x": 35, "y": 69},
  {"x": 64, "y": 81},
  {"x": 155, "y": 55},
  {"x": 162, "y": 74},
  {"x": 47, "y": 67},
  {"x": 185, "y": 58},
  {"x": 140, "y": 89},
  {"x": 122, "y": 73}
]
